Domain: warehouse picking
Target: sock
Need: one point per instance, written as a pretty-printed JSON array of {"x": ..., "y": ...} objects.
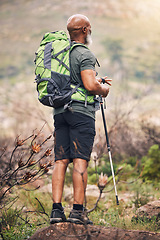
[
  {"x": 78, "y": 207},
  {"x": 57, "y": 206}
]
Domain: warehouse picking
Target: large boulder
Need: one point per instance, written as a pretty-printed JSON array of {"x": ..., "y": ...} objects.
[
  {"x": 150, "y": 211},
  {"x": 70, "y": 231}
]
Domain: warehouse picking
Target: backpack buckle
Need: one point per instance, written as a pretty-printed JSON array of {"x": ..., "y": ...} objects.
[
  {"x": 68, "y": 106},
  {"x": 97, "y": 103},
  {"x": 37, "y": 78}
]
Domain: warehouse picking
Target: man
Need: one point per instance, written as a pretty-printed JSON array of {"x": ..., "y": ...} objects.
[{"x": 75, "y": 129}]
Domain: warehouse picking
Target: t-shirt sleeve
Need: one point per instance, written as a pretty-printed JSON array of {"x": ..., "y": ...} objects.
[{"x": 88, "y": 61}]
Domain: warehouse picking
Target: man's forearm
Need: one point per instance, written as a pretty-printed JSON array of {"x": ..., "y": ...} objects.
[
  {"x": 92, "y": 84},
  {"x": 99, "y": 89}
]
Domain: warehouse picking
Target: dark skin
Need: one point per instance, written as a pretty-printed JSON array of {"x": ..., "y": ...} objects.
[{"x": 79, "y": 27}]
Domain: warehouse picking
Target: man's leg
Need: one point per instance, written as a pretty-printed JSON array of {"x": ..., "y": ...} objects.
[
  {"x": 78, "y": 215},
  {"x": 58, "y": 177},
  {"x": 79, "y": 180}
]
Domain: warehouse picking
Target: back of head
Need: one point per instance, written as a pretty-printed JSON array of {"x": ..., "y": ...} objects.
[{"x": 75, "y": 24}]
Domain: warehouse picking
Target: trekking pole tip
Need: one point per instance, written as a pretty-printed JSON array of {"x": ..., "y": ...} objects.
[{"x": 117, "y": 200}]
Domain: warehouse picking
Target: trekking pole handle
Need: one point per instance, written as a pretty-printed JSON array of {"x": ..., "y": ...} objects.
[
  {"x": 106, "y": 80},
  {"x": 103, "y": 80}
]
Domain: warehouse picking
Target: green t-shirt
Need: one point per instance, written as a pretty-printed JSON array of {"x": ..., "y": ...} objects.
[{"x": 81, "y": 59}]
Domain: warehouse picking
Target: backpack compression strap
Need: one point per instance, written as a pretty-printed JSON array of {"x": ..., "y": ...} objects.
[
  {"x": 48, "y": 56},
  {"x": 55, "y": 56}
]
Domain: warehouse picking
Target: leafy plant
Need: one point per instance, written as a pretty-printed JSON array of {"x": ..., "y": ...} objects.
[
  {"x": 24, "y": 164},
  {"x": 152, "y": 164},
  {"x": 9, "y": 217},
  {"x": 142, "y": 194},
  {"x": 92, "y": 179},
  {"x": 19, "y": 232}
]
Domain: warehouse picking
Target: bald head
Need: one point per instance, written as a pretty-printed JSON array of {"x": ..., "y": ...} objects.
[
  {"x": 78, "y": 26},
  {"x": 77, "y": 21}
]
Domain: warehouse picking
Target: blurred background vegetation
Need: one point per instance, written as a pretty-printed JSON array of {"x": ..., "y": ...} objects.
[{"x": 126, "y": 42}]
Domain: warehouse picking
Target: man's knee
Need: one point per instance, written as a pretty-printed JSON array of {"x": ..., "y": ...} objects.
[
  {"x": 80, "y": 165},
  {"x": 62, "y": 163}
]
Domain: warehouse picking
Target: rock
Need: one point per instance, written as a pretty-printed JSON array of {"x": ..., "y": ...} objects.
[
  {"x": 92, "y": 190},
  {"x": 70, "y": 231},
  {"x": 46, "y": 189},
  {"x": 150, "y": 211},
  {"x": 39, "y": 183}
]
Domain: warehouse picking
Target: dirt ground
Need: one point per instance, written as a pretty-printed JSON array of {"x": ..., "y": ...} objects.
[{"x": 70, "y": 231}]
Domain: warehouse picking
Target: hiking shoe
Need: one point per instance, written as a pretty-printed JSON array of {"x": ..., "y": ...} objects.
[
  {"x": 78, "y": 217},
  {"x": 57, "y": 215}
]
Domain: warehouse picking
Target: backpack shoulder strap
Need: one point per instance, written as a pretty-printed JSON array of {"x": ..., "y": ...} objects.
[{"x": 76, "y": 45}]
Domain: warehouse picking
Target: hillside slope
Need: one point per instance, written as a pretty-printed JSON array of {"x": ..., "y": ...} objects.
[
  {"x": 135, "y": 23},
  {"x": 125, "y": 40}
]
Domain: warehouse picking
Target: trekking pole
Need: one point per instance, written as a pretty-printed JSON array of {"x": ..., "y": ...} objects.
[{"x": 108, "y": 147}]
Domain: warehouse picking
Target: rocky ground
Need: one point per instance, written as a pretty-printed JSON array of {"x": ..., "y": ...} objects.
[
  {"x": 70, "y": 231},
  {"x": 89, "y": 232},
  {"x": 150, "y": 211}
]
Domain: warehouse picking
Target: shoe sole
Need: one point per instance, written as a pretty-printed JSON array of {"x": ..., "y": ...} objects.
[
  {"x": 75, "y": 220},
  {"x": 78, "y": 221},
  {"x": 56, "y": 220}
]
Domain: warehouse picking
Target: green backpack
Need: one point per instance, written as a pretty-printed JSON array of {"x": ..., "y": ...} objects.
[{"x": 53, "y": 72}]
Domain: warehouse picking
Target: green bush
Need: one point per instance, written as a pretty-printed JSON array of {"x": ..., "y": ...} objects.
[
  {"x": 93, "y": 179},
  {"x": 106, "y": 168},
  {"x": 140, "y": 197},
  {"x": 91, "y": 171},
  {"x": 19, "y": 232},
  {"x": 152, "y": 164},
  {"x": 128, "y": 172},
  {"x": 9, "y": 217},
  {"x": 132, "y": 161}
]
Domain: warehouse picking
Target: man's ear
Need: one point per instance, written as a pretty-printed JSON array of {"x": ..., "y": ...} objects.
[{"x": 84, "y": 29}]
